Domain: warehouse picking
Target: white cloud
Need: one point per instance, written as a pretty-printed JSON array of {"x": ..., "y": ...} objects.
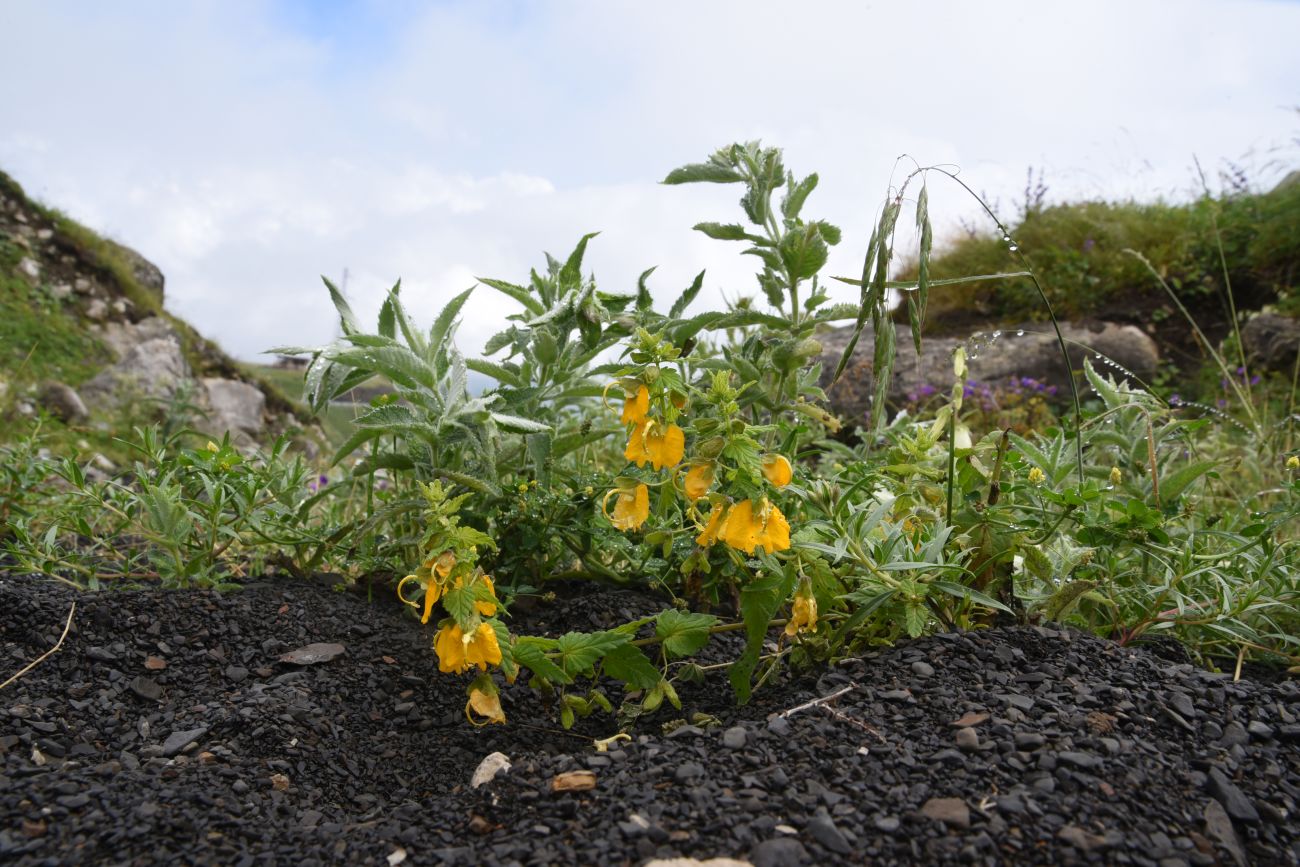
[{"x": 247, "y": 156}]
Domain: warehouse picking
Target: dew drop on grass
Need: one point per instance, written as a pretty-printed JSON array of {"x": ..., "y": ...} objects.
[
  {"x": 1013, "y": 248},
  {"x": 1020, "y": 333}
]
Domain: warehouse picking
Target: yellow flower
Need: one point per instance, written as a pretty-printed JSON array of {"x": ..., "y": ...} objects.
[
  {"x": 803, "y": 615},
  {"x": 1293, "y": 463},
  {"x": 630, "y": 509},
  {"x": 483, "y": 650},
  {"x": 457, "y": 651},
  {"x": 487, "y": 609},
  {"x": 636, "y": 407},
  {"x": 1036, "y": 476},
  {"x": 651, "y": 442},
  {"x": 484, "y": 701},
  {"x": 713, "y": 527},
  {"x": 1116, "y": 476},
  {"x": 698, "y": 481},
  {"x": 746, "y": 527},
  {"x": 777, "y": 470},
  {"x": 445, "y": 562}
]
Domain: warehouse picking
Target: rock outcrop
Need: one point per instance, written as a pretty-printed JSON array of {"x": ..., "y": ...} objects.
[
  {"x": 993, "y": 357},
  {"x": 1272, "y": 340}
]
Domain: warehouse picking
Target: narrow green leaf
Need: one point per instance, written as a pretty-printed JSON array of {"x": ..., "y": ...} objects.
[
  {"x": 499, "y": 372},
  {"x": 1173, "y": 484},
  {"x": 571, "y": 273},
  {"x": 728, "y": 232},
  {"x": 519, "y": 293},
  {"x": 684, "y": 301},
  {"x": 519, "y": 424},
  {"x": 347, "y": 319},
  {"x": 644, "y": 301},
  {"x": 710, "y": 173},
  {"x": 796, "y": 195},
  {"x": 442, "y": 326}
]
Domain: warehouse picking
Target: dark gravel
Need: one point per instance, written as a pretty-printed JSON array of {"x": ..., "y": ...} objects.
[{"x": 168, "y": 730}]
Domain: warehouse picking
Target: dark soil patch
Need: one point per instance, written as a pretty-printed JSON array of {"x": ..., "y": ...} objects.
[{"x": 1074, "y": 750}]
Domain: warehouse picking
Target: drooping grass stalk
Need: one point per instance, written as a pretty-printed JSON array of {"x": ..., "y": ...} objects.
[
  {"x": 1228, "y": 377},
  {"x": 1227, "y": 280}
]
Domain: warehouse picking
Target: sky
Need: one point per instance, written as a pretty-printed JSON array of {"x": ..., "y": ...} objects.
[{"x": 247, "y": 148}]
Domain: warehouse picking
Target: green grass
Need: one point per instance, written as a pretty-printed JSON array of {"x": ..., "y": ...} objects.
[{"x": 1077, "y": 250}]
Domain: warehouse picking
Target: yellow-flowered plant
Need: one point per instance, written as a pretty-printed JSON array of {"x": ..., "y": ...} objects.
[{"x": 470, "y": 637}]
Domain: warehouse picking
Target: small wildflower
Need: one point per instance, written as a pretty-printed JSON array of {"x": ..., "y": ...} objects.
[
  {"x": 1116, "y": 476},
  {"x": 747, "y": 527},
  {"x": 630, "y": 509},
  {"x": 662, "y": 447},
  {"x": 213, "y": 447},
  {"x": 777, "y": 470},
  {"x": 1036, "y": 476},
  {"x": 484, "y": 705},
  {"x": 803, "y": 615},
  {"x": 1293, "y": 463},
  {"x": 458, "y": 651},
  {"x": 636, "y": 407},
  {"x": 698, "y": 481}
]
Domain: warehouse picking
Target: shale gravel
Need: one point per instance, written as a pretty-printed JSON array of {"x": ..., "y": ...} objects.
[{"x": 167, "y": 729}]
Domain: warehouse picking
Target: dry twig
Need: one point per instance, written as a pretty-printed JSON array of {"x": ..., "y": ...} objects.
[{"x": 38, "y": 660}]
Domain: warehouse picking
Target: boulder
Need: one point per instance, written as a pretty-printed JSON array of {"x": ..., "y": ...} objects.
[
  {"x": 234, "y": 406},
  {"x": 146, "y": 273},
  {"x": 153, "y": 369},
  {"x": 993, "y": 357},
  {"x": 62, "y": 401},
  {"x": 120, "y": 337},
  {"x": 1272, "y": 340}
]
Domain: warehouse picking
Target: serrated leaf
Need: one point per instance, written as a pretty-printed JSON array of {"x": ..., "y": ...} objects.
[
  {"x": 499, "y": 372},
  {"x": 442, "y": 326},
  {"x": 709, "y": 173},
  {"x": 759, "y": 602},
  {"x": 803, "y": 252},
  {"x": 728, "y": 232},
  {"x": 347, "y": 319},
  {"x": 1060, "y": 602},
  {"x": 683, "y": 633},
  {"x": 796, "y": 195},
  {"x": 630, "y": 665},
  {"x": 571, "y": 273},
  {"x": 396, "y": 362},
  {"x": 685, "y": 299},
  {"x": 644, "y": 300},
  {"x": 579, "y": 651},
  {"x": 519, "y": 293},
  {"x": 914, "y": 618},
  {"x": 531, "y": 655}
]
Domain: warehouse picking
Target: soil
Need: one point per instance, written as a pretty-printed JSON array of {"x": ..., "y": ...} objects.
[{"x": 167, "y": 730}]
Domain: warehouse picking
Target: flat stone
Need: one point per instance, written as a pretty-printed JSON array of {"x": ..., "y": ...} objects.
[
  {"x": 1087, "y": 761},
  {"x": 492, "y": 764},
  {"x": 146, "y": 687},
  {"x": 178, "y": 741},
  {"x": 967, "y": 739},
  {"x": 735, "y": 738},
  {"x": 779, "y": 852},
  {"x": 313, "y": 654},
  {"x": 922, "y": 669},
  {"x": 950, "y": 811},
  {"x": 1234, "y": 801},
  {"x": 823, "y": 830}
]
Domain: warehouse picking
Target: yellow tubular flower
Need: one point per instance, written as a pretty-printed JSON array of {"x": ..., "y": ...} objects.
[
  {"x": 449, "y": 644},
  {"x": 742, "y": 527},
  {"x": 431, "y": 593},
  {"x": 713, "y": 527},
  {"x": 630, "y": 509},
  {"x": 487, "y": 609},
  {"x": 777, "y": 470},
  {"x": 482, "y": 648},
  {"x": 444, "y": 564},
  {"x": 776, "y": 530},
  {"x": 636, "y": 444},
  {"x": 485, "y": 702},
  {"x": 636, "y": 407},
  {"x": 803, "y": 615},
  {"x": 699, "y": 478}
]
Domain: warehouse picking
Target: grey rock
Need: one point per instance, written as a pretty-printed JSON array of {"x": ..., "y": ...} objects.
[
  {"x": 1080, "y": 839},
  {"x": 888, "y": 824},
  {"x": 1260, "y": 730},
  {"x": 1035, "y": 354},
  {"x": 922, "y": 669},
  {"x": 1272, "y": 340},
  {"x": 96, "y": 309},
  {"x": 235, "y": 407},
  {"x": 823, "y": 830},
  {"x": 487, "y": 770},
  {"x": 950, "y": 811},
  {"x": 146, "y": 273},
  {"x": 779, "y": 852},
  {"x": 178, "y": 741},
  {"x": 1087, "y": 761},
  {"x": 153, "y": 369},
  {"x": 1234, "y": 801},
  {"x": 1219, "y": 826},
  {"x": 145, "y": 687},
  {"x": 688, "y": 772},
  {"x": 967, "y": 739},
  {"x": 1234, "y": 733},
  {"x": 735, "y": 738},
  {"x": 62, "y": 402},
  {"x": 29, "y": 268}
]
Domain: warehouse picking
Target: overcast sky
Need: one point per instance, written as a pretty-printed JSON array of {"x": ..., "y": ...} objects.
[{"x": 249, "y": 147}]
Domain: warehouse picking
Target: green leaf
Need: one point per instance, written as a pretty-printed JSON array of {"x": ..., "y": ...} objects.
[
  {"x": 459, "y": 602},
  {"x": 519, "y": 293},
  {"x": 803, "y": 252},
  {"x": 728, "y": 232},
  {"x": 644, "y": 301},
  {"x": 796, "y": 195},
  {"x": 680, "y": 305},
  {"x": 914, "y": 618},
  {"x": 683, "y": 633},
  {"x": 519, "y": 424},
  {"x": 499, "y": 372},
  {"x": 443, "y": 324},
  {"x": 1060, "y": 602},
  {"x": 394, "y": 418},
  {"x": 530, "y": 653},
  {"x": 758, "y": 604},
  {"x": 383, "y": 461},
  {"x": 395, "y": 361},
  {"x": 579, "y": 651},
  {"x": 1174, "y": 484},
  {"x": 388, "y": 317},
  {"x": 1106, "y": 389},
  {"x": 710, "y": 173},
  {"x": 359, "y": 438},
  {"x": 630, "y": 665},
  {"x": 347, "y": 319},
  {"x": 961, "y": 591},
  {"x": 539, "y": 449},
  {"x": 571, "y": 273}
]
